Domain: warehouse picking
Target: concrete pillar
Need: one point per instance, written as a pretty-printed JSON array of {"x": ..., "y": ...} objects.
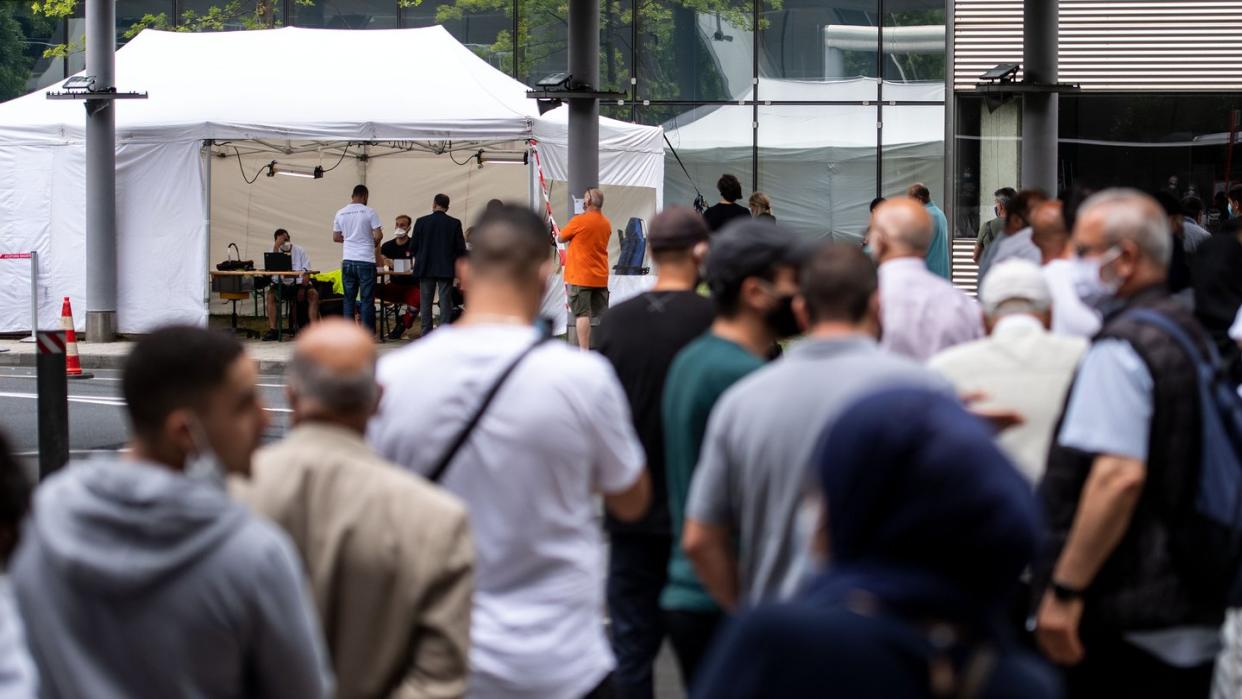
[
  {"x": 999, "y": 154},
  {"x": 1039, "y": 111},
  {"x": 101, "y": 244},
  {"x": 583, "y": 112}
]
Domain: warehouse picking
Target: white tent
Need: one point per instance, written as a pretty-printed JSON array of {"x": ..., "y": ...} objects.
[
  {"x": 414, "y": 102},
  {"x": 817, "y": 162}
]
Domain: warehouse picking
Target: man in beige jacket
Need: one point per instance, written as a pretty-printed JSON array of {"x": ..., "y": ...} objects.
[{"x": 389, "y": 556}]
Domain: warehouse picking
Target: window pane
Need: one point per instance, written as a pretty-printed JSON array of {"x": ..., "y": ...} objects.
[
  {"x": 486, "y": 27},
  {"x": 544, "y": 31},
  {"x": 131, "y": 12},
  {"x": 809, "y": 40},
  {"x": 686, "y": 54},
  {"x": 914, "y": 149},
  {"x": 347, "y": 14},
  {"x": 914, "y": 41},
  {"x": 821, "y": 181},
  {"x": 35, "y": 34},
  {"x": 711, "y": 140},
  {"x": 987, "y": 157}
]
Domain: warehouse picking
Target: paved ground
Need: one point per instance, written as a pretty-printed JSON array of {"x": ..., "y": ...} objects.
[{"x": 97, "y": 424}]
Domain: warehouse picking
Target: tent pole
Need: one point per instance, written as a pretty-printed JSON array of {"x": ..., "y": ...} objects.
[
  {"x": 207, "y": 223},
  {"x": 101, "y": 244}
]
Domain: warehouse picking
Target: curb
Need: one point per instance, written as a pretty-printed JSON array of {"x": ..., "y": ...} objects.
[{"x": 117, "y": 362}]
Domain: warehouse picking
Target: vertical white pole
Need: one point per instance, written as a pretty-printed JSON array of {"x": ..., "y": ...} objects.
[{"x": 34, "y": 296}]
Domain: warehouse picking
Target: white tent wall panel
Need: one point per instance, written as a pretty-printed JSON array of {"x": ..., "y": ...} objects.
[{"x": 26, "y": 175}]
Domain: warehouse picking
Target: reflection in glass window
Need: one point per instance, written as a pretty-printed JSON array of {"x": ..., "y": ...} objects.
[
  {"x": 820, "y": 180},
  {"x": 347, "y": 14},
  {"x": 34, "y": 34},
  {"x": 913, "y": 140},
  {"x": 222, "y": 15},
  {"x": 542, "y": 34},
  {"x": 131, "y": 15},
  {"x": 688, "y": 54},
  {"x": 711, "y": 140},
  {"x": 815, "y": 40},
  {"x": 914, "y": 41},
  {"x": 485, "y": 26}
]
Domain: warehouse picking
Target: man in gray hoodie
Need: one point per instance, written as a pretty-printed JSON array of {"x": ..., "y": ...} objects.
[{"x": 137, "y": 575}]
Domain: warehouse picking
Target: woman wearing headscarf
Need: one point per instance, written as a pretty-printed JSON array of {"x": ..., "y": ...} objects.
[{"x": 928, "y": 527}]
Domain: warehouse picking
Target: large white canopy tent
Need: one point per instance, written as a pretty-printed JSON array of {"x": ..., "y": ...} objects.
[
  {"x": 414, "y": 102},
  {"x": 817, "y": 162}
]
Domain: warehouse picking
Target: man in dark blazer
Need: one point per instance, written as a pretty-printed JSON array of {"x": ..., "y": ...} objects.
[{"x": 438, "y": 242}]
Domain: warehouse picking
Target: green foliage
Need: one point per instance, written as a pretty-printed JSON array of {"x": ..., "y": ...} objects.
[{"x": 14, "y": 65}]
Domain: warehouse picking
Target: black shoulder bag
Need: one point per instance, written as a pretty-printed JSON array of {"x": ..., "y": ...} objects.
[{"x": 455, "y": 446}]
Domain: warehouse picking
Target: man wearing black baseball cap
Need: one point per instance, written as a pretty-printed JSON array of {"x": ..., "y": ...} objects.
[
  {"x": 640, "y": 337},
  {"x": 752, "y": 271}
]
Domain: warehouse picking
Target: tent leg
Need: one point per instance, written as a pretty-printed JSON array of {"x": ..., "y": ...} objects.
[{"x": 207, "y": 226}]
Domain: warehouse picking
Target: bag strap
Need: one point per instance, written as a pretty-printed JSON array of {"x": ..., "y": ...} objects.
[
  {"x": 455, "y": 446},
  {"x": 1160, "y": 320}
]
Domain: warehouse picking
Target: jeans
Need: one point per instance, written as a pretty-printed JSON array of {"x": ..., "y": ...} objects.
[
  {"x": 691, "y": 634},
  {"x": 637, "y": 572},
  {"x": 428, "y": 288},
  {"x": 359, "y": 281}
]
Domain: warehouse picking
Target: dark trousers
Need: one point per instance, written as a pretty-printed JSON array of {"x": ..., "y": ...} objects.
[
  {"x": 637, "y": 572},
  {"x": 429, "y": 287},
  {"x": 691, "y": 634},
  {"x": 1114, "y": 668},
  {"x": 358, "y": 279}
]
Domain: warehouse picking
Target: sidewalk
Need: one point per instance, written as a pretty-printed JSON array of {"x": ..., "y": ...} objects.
[{"x": 270, "y": 356}]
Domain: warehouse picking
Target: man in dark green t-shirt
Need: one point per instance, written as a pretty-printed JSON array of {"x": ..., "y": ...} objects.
[{"x": 752, "y": 271}]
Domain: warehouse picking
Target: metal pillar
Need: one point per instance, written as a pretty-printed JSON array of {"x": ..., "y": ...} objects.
[
  {"x": 1039, "y": 110},
  {"x": 101, "y": 269},
  {"x": 53, "y": 402},
  {"x": 583, "y": 111}
]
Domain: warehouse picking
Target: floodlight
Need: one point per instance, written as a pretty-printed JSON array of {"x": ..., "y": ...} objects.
[
  {"x": 1005, "y": 72},
  {"x": 79, "y": 83},
  {"x": 502, "y": 158},
  {"x": 555, "y": 80},
  {"x": 311, "y": 173}
]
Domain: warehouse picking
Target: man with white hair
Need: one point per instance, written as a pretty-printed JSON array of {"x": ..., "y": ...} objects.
[
  {"x": 921, "y": 312},
  {"x": 1125, "y": 604},
  {"x": 1020, "y": 366},
  {"x": 388, "y": 555}
]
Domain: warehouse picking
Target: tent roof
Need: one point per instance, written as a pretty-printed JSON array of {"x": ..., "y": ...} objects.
[
  {"x": 814, "y": 126},
  {"x": 294, "y": 83}
]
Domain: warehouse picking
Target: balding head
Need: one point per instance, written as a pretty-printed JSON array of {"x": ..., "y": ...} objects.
[
  {"x": 1048, "y": 230},
  {"x": 332, "y": 375},
  {"x": 900, "y": 227}
]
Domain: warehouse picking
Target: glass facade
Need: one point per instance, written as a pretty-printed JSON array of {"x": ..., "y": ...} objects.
[{"x": 821, "y": 104}]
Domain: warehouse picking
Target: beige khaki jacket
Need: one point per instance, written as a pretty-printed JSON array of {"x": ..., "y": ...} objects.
[{"x": 388, "y": 555}]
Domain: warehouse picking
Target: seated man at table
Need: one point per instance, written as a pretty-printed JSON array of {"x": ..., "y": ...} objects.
[
  {"x": 290, "y": 288},
  {"x": 401, "y": 289}
]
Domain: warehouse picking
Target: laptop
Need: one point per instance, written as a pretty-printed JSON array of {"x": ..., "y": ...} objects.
[{"x": 277, "y": 262}]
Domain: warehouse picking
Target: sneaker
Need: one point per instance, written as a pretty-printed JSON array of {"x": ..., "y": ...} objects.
[
  {"x": 396, "y": 333},
  {"x": 271, "y": 336}
]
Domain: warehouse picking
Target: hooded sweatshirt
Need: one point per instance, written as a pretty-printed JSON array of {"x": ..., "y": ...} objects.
[{"x": 136, "y": 581}]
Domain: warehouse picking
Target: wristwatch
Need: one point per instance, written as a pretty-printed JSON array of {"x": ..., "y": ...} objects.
[{"x": 1066, "y": 593}]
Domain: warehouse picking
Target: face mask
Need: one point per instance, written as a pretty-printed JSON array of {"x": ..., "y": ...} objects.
[
  {"x": 401, "y": 232},
  {"x": 286, "y": 247},
  {"x": 1088, "y": 284},
  {"x": 781, "y": 319},
  {"x": 203, "y": 465}
]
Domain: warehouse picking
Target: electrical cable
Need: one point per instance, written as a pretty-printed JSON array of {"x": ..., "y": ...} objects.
[
  {"x": 343, "y": 154},
  {"x": 243, "y": 170},
  {"x": 450, "y": 155}
]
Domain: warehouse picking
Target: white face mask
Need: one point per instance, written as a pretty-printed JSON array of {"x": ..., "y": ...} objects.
[
  {"x": 1088, "y": 284},
  {"x": 401, "y": 232},
  {"x": 203, "y": 464},
  {"x": 286, "y": 247}
]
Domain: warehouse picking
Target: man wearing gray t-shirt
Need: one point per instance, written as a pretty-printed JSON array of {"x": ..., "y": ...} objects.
[{"x": 752, "y": 485}]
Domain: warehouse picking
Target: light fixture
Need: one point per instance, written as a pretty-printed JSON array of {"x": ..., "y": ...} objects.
[
  {"x": 79, "y": 83},
  {"x": 311, "y": 173},
  {"x": 1003, "y": 73},
  {"x": 547, "y": 105},
  {"x": 502, "y": 158},
  {"x": 561, "y": 80}
]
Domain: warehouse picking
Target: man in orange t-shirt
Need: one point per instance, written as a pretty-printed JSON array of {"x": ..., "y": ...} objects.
[{"x": 586, "y": 266}]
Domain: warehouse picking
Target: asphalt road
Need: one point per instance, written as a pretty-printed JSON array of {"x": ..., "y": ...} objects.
[{"x": 97, "y": 424}]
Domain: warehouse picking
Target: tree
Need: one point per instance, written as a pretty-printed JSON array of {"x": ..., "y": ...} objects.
[{"x": 14, "y": 64}]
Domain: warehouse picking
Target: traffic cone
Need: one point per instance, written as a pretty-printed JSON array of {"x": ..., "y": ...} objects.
[{"x": 73, "y": 364}]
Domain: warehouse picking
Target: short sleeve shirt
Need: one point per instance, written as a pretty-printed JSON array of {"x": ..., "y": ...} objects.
[
  {"x": 1110, "y": 406},
  {"x": 355, "y": 222},
  {"x": 586, "y": 263},
  {"x": 703, "y": 371}
]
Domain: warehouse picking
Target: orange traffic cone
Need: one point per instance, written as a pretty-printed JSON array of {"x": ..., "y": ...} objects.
[{"x": 73, "y": 364}]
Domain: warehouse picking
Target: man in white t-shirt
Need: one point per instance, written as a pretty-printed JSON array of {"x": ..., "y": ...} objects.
[
  {"x": 557, "y": 435},
  {"x": 358, "y": 227}
]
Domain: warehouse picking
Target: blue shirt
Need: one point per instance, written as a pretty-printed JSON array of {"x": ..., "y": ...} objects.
[
  {"x": 1110, "y": 406},
  {"x": 938, "y": 253}
]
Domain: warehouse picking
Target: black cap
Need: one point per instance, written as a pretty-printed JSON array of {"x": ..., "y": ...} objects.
[
  {"x": 677, "y": 228},
  {"x": 750, "y": 248}
]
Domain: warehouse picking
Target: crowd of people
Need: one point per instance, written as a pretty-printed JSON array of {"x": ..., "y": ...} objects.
[{"x": 822, "y": 470}]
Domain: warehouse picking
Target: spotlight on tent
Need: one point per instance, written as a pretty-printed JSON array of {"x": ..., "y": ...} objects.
[
  {"x": 502, "y": 158},
  {"x": 310, "y": 173}
]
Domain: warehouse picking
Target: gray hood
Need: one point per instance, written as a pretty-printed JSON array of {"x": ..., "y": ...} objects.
[{"x": 120, "y": 526}]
